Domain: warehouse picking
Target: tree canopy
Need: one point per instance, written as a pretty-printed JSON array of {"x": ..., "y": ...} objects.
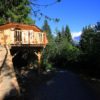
[
  {"x": 15, "y": 11},
  {"x": 20, "y": 10}
]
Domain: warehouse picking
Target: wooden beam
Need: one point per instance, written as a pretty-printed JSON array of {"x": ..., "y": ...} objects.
[{"x": 39, "y": 55}]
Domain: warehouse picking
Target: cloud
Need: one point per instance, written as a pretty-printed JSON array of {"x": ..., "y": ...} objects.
[{"x": 75, "y": 34}]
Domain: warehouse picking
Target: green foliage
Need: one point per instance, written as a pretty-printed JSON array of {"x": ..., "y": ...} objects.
[
  {"x": 68, "y": 33},
  {"x": 90, "y": 39},
  {"x": 97, "y": 26},
  {"x": 29, "y": 21},
  {"x": 19, "y": 11},
  {"x": 62, "y": 51},
  {"x": 63, "y": 32},
  {"x": 46, "y": 65},
  {"x": 15, "y": 11},
  {"x": 49, "y": 50},
  {"x": 90, "y": 47},
  {"x": 2, "y": 21},
  {"x": 66, "y": 53},
  {"x": 59, "y": 51},
  {"x": 87, "y": 39},
  {"x": 46, "y": 28},
  {"x": 85, "y": 58},
  {"x": 58, "y": 37}
]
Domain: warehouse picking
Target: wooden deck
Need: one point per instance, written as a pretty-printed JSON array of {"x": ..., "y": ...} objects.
[{"x": 27, "y": 45}]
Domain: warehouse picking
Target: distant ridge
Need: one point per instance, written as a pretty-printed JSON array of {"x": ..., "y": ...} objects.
[{"x": 76, "y": 38}]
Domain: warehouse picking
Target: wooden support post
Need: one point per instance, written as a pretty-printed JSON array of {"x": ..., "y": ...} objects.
[{"x": 39, "y": 54}]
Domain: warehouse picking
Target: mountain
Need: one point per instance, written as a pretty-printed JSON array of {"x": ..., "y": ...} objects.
[{"x": 76, "y": 38}]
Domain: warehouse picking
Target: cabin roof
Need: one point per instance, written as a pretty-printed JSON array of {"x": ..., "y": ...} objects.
[{"x": 21, "y": 26}]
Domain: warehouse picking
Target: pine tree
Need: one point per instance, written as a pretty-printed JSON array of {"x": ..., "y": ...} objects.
[
  {"x": 19, "y": 11},
  {"x": 63, "y": 32},
  {"x": 46, "y": 28},
  {"x": 68, "y": 33},
  {"x": 87, "y": 39},
  {"x": 15, "y": 11}
]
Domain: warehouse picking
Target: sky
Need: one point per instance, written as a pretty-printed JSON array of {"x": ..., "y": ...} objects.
[{"x": 74, "y": 13}]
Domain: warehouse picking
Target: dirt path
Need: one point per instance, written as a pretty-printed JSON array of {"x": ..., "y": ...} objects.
[
  {"x": 8, "y": 80},
  {"x": 65, "y": 86}
]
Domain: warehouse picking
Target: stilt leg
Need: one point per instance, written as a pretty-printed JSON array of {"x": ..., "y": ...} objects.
[{"x": 39, "y": 54}]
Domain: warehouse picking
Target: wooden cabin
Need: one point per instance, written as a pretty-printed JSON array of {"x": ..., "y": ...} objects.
[{"x": 16, "y": 34}]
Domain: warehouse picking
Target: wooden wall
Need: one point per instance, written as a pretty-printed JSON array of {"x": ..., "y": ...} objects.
[{"x": 17, "y": 36}]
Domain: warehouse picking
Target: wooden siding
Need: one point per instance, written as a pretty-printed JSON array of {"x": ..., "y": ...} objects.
[{"x": 22, "y": 34}]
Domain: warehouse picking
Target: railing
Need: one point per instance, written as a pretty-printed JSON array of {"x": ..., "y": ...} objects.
[{"x": 27, "y": 45}]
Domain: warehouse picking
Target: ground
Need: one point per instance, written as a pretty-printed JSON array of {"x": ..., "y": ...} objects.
[
  {"x": 8, "y": 82},
  {"x": 93, "y": 83},
  {"x": 58, "y": 85},
  {"x": 54, "y": 85}
]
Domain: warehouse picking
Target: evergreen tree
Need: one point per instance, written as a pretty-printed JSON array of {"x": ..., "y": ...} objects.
[
  {"x": 68, "y": 33},
  {"x": 15, "y": 11},
  {"x": 46, "y": 28},
  {"x": 58, "y": 37},
  {"x": 63, "y": 32},
  {"x": 19, "y": 10},
  {"x": 86, "y": 41},
  {"x": 96, "y": 40},
  {"x": 90, "y": 46},
  {"x": 49, "y": 50},
  {"x": 97, "y": 27}
]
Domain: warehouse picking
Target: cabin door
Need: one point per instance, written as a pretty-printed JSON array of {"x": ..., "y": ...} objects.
[{"x": 18, "y": 37}]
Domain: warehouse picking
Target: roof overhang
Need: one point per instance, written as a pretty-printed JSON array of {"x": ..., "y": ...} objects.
[{"x": 20, "y": 26}]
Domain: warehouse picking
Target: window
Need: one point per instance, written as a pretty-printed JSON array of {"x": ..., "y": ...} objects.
[
  {"x": 40, "y": 37},
  {"x": 18, "y": 35}
]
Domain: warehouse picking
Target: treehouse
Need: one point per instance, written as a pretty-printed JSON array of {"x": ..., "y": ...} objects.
[
  {"x": 16, "y": 34},
  {"x": 20, "y": 37}
]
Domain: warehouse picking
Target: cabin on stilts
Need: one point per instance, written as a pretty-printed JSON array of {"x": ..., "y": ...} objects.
[{"x": 18, "y": 36}]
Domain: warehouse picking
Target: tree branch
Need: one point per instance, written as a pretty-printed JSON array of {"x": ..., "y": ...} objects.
[{"x": 44, "y": 5}]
